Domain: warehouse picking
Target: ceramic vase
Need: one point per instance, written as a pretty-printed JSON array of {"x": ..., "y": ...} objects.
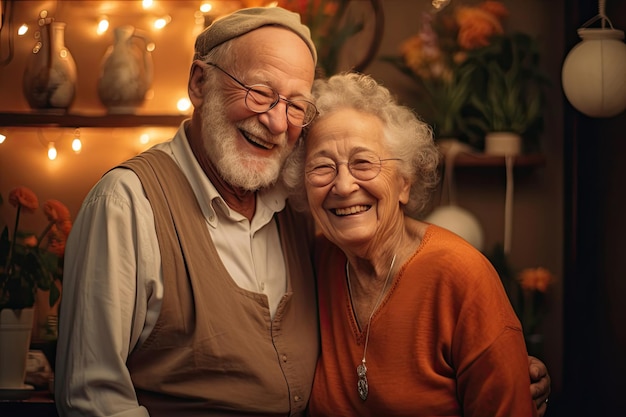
[
  {"x": 49, "y": 81},
  {"x": 126, "y": 72},
  {"x": 503, "y": 143},
  {"x": 15, "y": 332}
]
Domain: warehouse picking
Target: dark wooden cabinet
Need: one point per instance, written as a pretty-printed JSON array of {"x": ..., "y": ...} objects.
[{"x": 75, "y": 120}]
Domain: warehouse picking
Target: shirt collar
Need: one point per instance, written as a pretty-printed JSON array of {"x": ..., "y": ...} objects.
[{"x": 269, "y": 201}]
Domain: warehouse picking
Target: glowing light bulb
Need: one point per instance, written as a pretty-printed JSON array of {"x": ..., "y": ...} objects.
[
  {"x": 144, "y": 138},
  {"x": 52, "y": 151},
  {"x": 183, "y": 105},
  {"x": 146, "y": 4},
  {"x": 2, "y": 138},
  {"x": 206, "y": 7},
  {"x": 103, "y": 25},
  {"x": 161, "y": 22},
  {"x": 77, "y": 145},
  {"x": 21, "y": 31}
]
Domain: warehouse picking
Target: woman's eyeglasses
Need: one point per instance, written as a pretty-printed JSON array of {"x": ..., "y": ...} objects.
[{"x": 364, "y": 166}]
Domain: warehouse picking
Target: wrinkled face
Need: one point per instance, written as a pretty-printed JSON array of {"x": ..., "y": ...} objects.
[
  {"x": 353, "y": 212},
  {"x": 249, "y": 148}
]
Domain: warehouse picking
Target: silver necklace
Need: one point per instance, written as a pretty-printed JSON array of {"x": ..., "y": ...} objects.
[{"x": 361, "y": 370}]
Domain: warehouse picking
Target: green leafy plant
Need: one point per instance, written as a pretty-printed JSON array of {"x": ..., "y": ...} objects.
[
  {"x": 509, "y": 86},
  {"x": 332, "y": 25},
  {"x": 435, "y": 58},
  {"x": 26, "y": 264},
  {"x": 441, "y": 101},
  {"x": 472, "y": 78}
]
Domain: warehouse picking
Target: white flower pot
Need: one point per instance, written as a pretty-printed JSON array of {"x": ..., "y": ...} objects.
[
  {"x": 503, "y": 143},
  {"x": 15, "y": 330}
]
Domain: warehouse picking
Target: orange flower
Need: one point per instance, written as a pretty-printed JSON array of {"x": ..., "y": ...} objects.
[
  {"x": 476, "y": 26},
  {"x": 535, "y": 279},
  {"x": 56, "y": 211},
  {"x": 30, "y": 241},
  {"x": 427, "y": 62},
  {"x": 24, "y": 197},
  {"x": 64, "y": 227}
]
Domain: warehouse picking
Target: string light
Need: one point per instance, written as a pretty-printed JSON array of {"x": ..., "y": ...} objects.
[
  {"x": 2, "y": 138},
  {"x": 183, "y": 105},
  {"x": 77, "y": 145},
  {"x": 144, "y": 138},
  {"x": 161, "y": 22},
  {"x": 206, "y": 7},
  {"x": 103, "y": 25},
  {"x": 52, "y": 151},
  {"x": 21, "y": 31}
]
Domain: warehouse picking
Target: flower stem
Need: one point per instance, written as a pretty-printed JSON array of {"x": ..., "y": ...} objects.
[
  {"x": 44, "y": 233},
  {"x": 8, "y": 265}
]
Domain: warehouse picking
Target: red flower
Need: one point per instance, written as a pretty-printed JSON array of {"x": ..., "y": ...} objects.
[
  {"x": 25, "y": 198},
  {"x": 56, "y": 211},
  {"x": 57, "y": 238},
  {"x": 535, "y": 279}
]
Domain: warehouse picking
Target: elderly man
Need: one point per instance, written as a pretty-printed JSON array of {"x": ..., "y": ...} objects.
[{"x": 188, "y": 286}]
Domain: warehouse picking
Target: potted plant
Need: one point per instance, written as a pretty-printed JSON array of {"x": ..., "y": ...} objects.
[
  {"x": 435, "y": 58},
  {"x": 28, "y": 263},
  {"x": 509, "y": 97}
]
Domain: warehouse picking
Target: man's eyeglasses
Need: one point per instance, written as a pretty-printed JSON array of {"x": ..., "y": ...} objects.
[
  {"x": 261, "y": 98},
  {"x": 363, "y": 166}
]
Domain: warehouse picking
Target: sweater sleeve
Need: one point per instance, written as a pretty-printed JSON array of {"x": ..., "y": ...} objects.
[{"x": 488, "y": 348}]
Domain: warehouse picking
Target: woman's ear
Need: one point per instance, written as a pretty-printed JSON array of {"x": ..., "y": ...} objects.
[
  {"x": 405, "y": 190},
  {"x": 196, "y": 83}
]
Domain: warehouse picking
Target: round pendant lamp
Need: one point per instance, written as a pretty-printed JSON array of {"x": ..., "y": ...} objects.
[
  {"x": 594, "y": 71},
  {"x": 450, "y": 216}
]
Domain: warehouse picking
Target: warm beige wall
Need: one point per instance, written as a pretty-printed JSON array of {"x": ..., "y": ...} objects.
[{"x": 537, "y": 230}]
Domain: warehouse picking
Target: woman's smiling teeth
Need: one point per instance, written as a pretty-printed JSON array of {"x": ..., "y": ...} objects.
[{"x": 351, "y": 210}]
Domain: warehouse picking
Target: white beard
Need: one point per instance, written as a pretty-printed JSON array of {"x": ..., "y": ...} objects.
[{"x": 219, "y": 136}]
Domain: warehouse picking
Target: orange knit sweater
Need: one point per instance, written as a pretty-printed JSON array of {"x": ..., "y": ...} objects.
[{"x": 444, "y": 341}]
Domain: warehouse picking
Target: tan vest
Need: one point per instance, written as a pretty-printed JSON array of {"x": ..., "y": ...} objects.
[{"x": 214, "y": 350}]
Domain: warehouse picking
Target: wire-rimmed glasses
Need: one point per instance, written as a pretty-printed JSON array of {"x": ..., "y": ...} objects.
[
  {"x": 261, "y": 98},
  {"x": 363, "y": 166}
]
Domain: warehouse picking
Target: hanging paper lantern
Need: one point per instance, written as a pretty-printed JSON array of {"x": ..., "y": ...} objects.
[
  {"x": 594, "y": 73},
  {"x": 459, "y": 221}
]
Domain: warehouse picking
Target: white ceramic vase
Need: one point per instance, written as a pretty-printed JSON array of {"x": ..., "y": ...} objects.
[
  {"x": 503, "y": 143},
  {"x": 126, "y": 72},
  {"x": 49, "y": 80}
]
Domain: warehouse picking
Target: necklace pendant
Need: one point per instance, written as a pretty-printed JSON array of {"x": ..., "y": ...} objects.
[{"x": 362, "y": 386}]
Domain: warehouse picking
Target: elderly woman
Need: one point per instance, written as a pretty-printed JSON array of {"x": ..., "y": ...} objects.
[{"x": 414, "y": 321}]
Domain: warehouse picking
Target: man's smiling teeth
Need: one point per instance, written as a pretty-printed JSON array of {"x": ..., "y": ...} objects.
[
  {"x": 258, "y": 141},
  {"x": 351, "y": 210}
]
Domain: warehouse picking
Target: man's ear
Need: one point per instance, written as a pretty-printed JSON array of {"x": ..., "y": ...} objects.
[{"x": 196, "y": 83}]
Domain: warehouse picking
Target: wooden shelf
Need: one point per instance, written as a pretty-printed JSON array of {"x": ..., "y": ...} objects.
[
  {"x": 59, "y": 119},
  {"x": 482, "y": 160}
]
